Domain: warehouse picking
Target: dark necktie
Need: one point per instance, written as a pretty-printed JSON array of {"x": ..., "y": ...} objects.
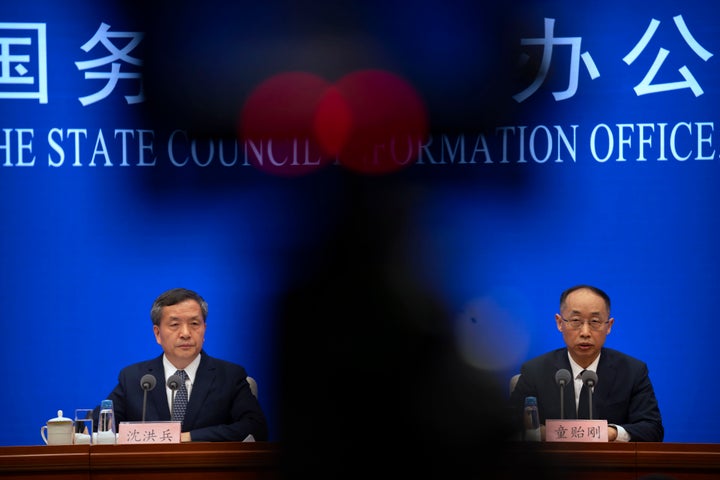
[
  {"x": 583, "y": 408},
  {"x": 181, "y": 398}
]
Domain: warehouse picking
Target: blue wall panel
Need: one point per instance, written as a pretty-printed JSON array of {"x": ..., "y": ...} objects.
[{"x": 500, "y": 228}]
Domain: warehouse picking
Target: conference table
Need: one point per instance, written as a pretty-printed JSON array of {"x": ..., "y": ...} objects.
[
  {"x": 260, "y": 461},
  {"x": 180, "y": 461},
  {"x": 624, "y": 461}
]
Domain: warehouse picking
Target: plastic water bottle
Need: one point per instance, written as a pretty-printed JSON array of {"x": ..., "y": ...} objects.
[
  {"x": 532, "y": 420},
  {"x": 106, "y": 423}
]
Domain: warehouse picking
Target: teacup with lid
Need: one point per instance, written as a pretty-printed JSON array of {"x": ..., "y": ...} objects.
[{"x": 58, "y": 431}]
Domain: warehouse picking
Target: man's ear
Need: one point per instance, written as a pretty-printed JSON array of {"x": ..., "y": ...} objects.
[{"x": 156, "y": 332}]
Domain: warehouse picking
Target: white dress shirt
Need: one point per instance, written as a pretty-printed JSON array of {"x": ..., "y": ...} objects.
[
  {"x": 190, "y": 372},
  {"x": 622, "y": 435}
]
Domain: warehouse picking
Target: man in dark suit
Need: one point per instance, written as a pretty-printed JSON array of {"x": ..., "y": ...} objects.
[
  {"x": 623, "y": 394},
  {"x": 220, "y": 406}
]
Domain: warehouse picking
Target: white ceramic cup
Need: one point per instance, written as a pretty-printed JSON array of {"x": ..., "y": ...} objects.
[{"x": 57, "y": 433}]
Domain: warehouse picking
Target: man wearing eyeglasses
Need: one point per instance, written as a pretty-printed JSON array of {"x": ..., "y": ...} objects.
[{"x": 623, "y": 394}]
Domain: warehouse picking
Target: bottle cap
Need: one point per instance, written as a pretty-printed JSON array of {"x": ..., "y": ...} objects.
[
  {"x": 530, "y": 401},
  {"x": 106, "y": 404}
]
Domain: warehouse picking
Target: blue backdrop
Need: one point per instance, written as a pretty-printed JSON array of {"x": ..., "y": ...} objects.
[{"x": 567, "y": 144}]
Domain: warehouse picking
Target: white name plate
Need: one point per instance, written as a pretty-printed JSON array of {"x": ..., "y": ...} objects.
[
  {"x": 149, "y": 432},
  {"x": 576, "y": 431}
]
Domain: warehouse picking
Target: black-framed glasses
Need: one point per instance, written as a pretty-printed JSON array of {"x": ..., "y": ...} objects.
[{"x": 576, "y": 323}]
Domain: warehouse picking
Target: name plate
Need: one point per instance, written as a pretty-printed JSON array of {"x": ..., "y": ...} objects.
[
  {"x": 576, "y": 431},
  {"x": 148, "y": 432}
]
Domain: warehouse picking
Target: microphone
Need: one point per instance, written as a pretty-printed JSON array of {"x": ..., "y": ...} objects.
[
  {"x": 147, "y": 383},
  {"x": 589, "y": 379},
  {"x": 562, "y": 377},
  {"x": 173, "y": 383}
]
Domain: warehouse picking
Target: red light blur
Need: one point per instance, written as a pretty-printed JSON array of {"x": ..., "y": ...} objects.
[{"x": 370, "y": 121}]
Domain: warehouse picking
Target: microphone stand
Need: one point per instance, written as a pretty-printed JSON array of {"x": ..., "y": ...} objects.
[
  {"x": 173, "y": 383},
  {"x": 589, "y": 379},
  {"x": 147, "y": 383},
  {"x": 144, "y": 403},
  {"x": 562, "y": 377},
  {"x": 173, "y": 387}
]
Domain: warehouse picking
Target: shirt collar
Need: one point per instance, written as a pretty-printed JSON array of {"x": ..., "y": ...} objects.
[
  {"x": 190, "y": 370},
  {"x": 577, "y": 369}
]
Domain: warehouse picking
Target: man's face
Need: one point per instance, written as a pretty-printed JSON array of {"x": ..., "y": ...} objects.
[
  {"x": 584, "y": 343},
  {"x": 181, "y": 332}
]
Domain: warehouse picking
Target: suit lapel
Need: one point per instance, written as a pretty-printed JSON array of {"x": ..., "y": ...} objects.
[
  {"x": 204, "y": 378},
  {"x": 606, "y": 372},
  {"x": 561, "y": 362},
  {"x": 157, "y": 397}
]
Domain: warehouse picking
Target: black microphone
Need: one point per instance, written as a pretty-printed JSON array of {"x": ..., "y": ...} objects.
[
  {"x": 147, "y": 382},
  {"x": 173, "y": 383},
  {"x": 562, "y": 377},
  {"x": 589, "y": 379}
]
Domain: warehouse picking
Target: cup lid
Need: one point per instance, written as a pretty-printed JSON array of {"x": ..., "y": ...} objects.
[{"x": 59, "y": 418}]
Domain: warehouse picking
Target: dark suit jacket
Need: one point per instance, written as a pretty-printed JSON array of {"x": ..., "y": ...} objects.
[
  {"x": 623, "y": 394},
  {"x": 221, "y": 406}
]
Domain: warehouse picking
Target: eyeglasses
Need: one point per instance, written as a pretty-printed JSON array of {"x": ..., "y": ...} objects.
[{"x": 576, "y": 323}]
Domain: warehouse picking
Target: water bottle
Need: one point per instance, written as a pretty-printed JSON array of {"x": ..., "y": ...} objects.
[
  {"x": 106, "y": 423},
  {"x": 532, "y": 420}
]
